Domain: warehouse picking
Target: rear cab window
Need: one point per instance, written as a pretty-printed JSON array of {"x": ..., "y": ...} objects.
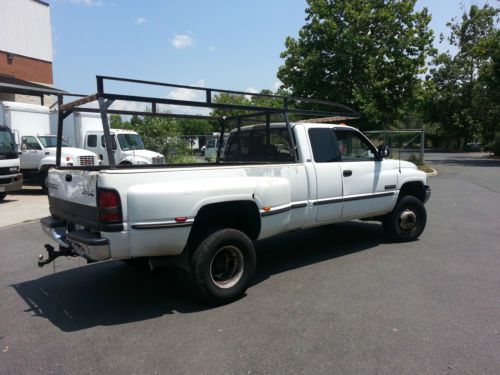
[{"x": 256, "y": 145}]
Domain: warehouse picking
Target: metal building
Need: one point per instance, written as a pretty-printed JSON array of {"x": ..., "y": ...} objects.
[{"x": 25, "y": 50}]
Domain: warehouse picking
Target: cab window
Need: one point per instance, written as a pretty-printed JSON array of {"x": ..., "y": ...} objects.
[
  {"x": 324, "y": 145},
  {"x": 113, "y": 141},
  {"x": 30, "y": 143},
  {"x": 353, "y": 146},
  {"x": 92, "y": 140}
]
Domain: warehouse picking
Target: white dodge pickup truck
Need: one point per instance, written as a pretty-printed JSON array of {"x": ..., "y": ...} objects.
[{"x": 271, "y": 178}]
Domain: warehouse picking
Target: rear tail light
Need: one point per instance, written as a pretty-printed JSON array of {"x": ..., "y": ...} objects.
[{"x": 109, "y": 205}]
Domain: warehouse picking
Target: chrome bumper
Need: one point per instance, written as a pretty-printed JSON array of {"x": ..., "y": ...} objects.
[{"x": 82, "y": 242}]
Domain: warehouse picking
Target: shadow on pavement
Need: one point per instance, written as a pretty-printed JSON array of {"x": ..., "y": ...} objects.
[
  {"x": 111, "y": 293},
  {"x": 29, "y": 189}
]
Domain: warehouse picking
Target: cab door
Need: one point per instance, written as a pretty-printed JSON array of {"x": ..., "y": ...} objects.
[
  {"x": 31, "y": 152},
  {"x": 369, "y": 184},
  {"x": 326, "y": 163},
  {"x": 103, "y": 151},
  {"x": 91, "y": 144}
]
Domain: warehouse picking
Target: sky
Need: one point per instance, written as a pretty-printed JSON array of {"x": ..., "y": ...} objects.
[{"x": 231, "y": 44}]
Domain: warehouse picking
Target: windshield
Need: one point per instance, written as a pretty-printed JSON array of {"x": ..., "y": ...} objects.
[
  {"x": 51, "y": 141},
  {"x": 130, "y": 141},
  {"x": 7, "y": 142}
]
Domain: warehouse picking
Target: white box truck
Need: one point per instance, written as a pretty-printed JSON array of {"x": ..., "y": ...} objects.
[
  {"x": 10, "y": 178},
  {"x": 30, "y": 124},
  {"x": 84, "y": 130}
]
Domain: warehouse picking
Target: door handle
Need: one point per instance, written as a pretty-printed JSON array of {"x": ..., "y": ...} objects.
[{"x": 347, "y": 173}]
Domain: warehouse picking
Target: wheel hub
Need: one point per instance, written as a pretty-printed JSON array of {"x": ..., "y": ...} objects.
[
  {"x": 226, "y": 267},
  {"x": 408, "y": 220}
]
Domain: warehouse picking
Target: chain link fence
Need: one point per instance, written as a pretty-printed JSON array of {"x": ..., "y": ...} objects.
[{"x": 407, "y": 144}]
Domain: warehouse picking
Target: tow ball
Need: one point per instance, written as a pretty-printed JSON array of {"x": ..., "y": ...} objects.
[{"x": 53, "y": 254}]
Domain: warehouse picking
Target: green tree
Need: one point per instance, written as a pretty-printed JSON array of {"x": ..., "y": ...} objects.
[
  {"x": 115, "y": 121},
  {"x": 226, "y": 98},
  {"x": 193, "y": 126},
  {"x": 364, "y": 53},
  {"x": 462, "y": 90},
  {"x": 162, "y": 135}
]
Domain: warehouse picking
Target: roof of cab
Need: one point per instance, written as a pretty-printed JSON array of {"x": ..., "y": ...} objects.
[{"x": 304, "y": 124}]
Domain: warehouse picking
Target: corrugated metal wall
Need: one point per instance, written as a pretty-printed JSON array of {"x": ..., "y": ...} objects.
[{"x": 25, "y": 28}]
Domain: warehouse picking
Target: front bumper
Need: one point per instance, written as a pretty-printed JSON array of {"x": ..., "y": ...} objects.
[
  {"x": 81, "y": 242},
  {"x": 10, "y": 183},
  {"x": 427, "y": 190}
]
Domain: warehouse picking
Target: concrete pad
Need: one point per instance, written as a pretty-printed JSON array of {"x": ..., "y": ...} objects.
[{"x": 25, "y": 205}]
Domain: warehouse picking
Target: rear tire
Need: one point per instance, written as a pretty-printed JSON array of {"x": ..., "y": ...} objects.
[
  {"x": 222, "y": 266},
  {"x": 406, "y": 221},
  {"x": 2, "y": 196},
  {"x": 136, "y": 262}
]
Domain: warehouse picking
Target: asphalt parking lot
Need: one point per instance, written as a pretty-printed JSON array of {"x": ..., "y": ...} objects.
[
  {"x": 333, "y": 300},
  {"x": 23, "y": 206}
]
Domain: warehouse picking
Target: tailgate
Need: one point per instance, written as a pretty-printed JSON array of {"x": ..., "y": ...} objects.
[
  {"x": 73, "y": 197},
  {"x": 74, "y": 186}
]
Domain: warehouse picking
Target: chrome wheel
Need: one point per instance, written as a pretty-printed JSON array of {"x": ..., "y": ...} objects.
[
  {"x": 226, "y": 267},
  {"x": 407, "y": 220}
]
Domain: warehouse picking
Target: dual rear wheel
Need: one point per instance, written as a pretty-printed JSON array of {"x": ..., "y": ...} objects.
[{"x": 222, "y": 266}]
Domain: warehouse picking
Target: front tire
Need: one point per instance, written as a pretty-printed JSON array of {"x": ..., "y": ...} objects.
[
  {"x": 2, "y": 196},
  {"x": 42, "y": 179},
  {"x": 406, "y": 221},
  {"x": 222, "y": 266}
]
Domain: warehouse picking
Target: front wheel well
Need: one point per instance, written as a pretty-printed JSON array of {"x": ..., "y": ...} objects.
[
  {"x": 413, "y": 188},
  {"x": 45, "y": 168},
  {"x": 241, "y": 215}
]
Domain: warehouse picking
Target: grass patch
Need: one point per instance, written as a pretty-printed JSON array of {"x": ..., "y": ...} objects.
[{"x": 425, "y": 168}]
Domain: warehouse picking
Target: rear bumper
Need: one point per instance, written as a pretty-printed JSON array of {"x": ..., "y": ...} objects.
[
  {"x": 11, "y": 183},
  {"x": 86, "y": 244},
  {"x": 427, "y": 190}
]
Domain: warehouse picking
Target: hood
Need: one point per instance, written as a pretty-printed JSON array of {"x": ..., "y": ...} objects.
[
  {"x": 404, "y": 164},
  {"x": 73, "y": 151}
]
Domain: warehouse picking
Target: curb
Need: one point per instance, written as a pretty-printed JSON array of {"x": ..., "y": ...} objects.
[{"x": 433, "y": 173}]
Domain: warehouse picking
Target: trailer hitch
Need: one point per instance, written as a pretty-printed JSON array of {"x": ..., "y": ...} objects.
[{"x": 53, "y": 254}]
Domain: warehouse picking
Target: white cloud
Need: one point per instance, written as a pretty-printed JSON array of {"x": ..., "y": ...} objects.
[
  {"x": 88, "y": 3},
  {"x": 252, "y": 90},
  {"x": 277, "y": 85},
  {"x": 211, "y": 48},
  {"x": 189, "y": 95},
  {"x": 140, "y": 21},
  {"x": 182, "y": 41}
]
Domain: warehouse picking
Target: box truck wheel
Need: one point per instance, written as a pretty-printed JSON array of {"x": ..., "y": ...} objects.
[
  {"x": 42, "y": 180},
  {"x": 222, "y": 266}
]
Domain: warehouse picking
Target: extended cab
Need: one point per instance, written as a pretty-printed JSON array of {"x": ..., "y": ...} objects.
[{"x": 272, "y": 178}]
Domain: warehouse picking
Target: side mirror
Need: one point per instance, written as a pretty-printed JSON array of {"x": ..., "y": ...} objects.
[{"x": 383, "y": 152}]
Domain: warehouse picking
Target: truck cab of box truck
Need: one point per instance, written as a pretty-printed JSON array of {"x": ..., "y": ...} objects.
[
  {"x": 10, "y": 178},
  {"x": 84, "y": 130},
  {"x": 36, "y": 140}
]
